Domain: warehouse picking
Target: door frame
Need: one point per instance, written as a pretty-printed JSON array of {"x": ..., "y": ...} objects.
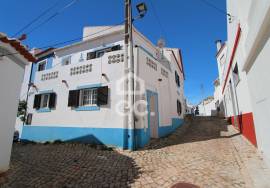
[{"x": 149, "y": 94}]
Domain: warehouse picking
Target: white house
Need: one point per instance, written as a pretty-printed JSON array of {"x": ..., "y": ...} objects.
[
  {"x": 78, "y": 91},
  {"x": 219, "y": 106},
  {"x": 243, "y": 70},
  {"x": 13, "y": 58},
  {"x": 189, "y": 109},
  {"x": 254, "y": 22},
  {"x": 207, "y": 107}
]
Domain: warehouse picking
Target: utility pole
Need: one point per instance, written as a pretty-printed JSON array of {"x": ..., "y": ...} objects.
[{"x": 129, "y": 71}]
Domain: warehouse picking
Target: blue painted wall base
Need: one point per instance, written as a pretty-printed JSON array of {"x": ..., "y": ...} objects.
[
  {"x": 108, "y": 136},
  {"x": 116, "y": 137},
  {"x": 166, "y": 130}
]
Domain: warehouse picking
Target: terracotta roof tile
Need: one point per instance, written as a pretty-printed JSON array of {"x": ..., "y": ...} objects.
[{"x": 16, "y": 44}]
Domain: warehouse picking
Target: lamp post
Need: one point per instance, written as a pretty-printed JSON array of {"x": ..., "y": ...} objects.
[{"x": 129, "y": 65}]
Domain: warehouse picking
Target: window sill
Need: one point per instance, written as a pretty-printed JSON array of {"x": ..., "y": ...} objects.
[
  {"x": 42, "y": 110},
  {"x": 88, "y": 108}
]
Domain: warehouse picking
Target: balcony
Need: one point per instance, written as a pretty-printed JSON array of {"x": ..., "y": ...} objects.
[{"x": 80, "y": 71}]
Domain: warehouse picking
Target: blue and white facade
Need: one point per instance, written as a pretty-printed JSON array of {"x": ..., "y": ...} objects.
[{"x": 77, "y": 92}]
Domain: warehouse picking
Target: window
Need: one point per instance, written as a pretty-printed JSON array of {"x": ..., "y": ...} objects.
[
  {"x": 91, "y": 55},
  {"x": 88, "y": 97},
  {"x": 100, "y": 53},
  {"x": 42, "y": 65},
  {"x": 44, "y": 101},
  {"x": 47, "y": 100},
  {"x": 66, "y": 60},
  {"x": 236, "y": 77},
  {"x": 177, "y": 79},
  {"x": 179, "y": 107}
]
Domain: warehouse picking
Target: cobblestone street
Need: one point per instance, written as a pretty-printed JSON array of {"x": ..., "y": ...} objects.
[{"x": 205, "y": 156}]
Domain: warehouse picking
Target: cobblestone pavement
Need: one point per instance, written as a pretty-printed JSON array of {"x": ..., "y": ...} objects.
[{"x": 205, "y": 156}]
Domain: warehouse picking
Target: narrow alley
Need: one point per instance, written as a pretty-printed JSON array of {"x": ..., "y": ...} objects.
[{"x": 210, "y": 154}]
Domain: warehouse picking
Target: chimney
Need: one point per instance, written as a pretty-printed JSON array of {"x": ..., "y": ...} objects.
[
  {"x": 218, "y": 43},
  {"x": 160, "y": 44},
  {"x": 35, "y": 51}
]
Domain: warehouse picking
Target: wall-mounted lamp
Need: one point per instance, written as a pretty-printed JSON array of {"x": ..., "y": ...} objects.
[
  {"x": 105, "y": 76},
  {"x": 33, "y": 86},
  {"x": 142, "y": 8},
  {"x": 65, "y": 82}
]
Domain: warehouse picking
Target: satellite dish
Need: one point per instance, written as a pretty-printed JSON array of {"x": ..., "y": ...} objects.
[{"x": 161, "y": 43}]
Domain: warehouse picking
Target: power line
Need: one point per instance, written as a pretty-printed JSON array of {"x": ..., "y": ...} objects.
[
  {"x": 215, "y": 7},
  {"x": 52, "y": 16},
  {"x": 36, "y": 19},
  {"x": 68, "y": 41}
]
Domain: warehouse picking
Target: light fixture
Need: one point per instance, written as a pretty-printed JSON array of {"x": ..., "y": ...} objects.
[
  {"x": 65, "y": 82},
  {"x": 142, "y": 8}
]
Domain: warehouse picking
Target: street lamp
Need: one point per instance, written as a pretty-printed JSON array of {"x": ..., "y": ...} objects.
[{"x": 142, "y": 8}]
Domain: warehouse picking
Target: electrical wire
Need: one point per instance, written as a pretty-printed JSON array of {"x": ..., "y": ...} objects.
[
  {"x": 35, "y": 19},
  {"x": 52, "y": 16},
  {"x": 68, "y": 41},
  {"x": 215, "y": 7}
]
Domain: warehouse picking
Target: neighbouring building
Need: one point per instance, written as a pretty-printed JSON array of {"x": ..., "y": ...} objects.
[
  {"x": 207, "y": 107},
  {"x": 78, "y": 93},
  {"x": 243, "y": 70},
  {"x": 13, "y": 59},
  {"x": 189, "y": 109},
  {"x": 219, "y": 106}
]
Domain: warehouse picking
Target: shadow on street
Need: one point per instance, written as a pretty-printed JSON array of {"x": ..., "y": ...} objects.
[{"x": 200, "y": 129}]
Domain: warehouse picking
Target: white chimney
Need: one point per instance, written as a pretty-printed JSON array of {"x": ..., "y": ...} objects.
[
  {"x": 219, "y": 44},
  {"x": 161, "y": 45}
]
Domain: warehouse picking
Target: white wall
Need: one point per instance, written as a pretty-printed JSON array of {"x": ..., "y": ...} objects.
[
  {"x": 23, "y": 94},
  {"x": 11, "y": 77},
  {"x": 64, "y": 115},
  {"x": 167, "y": 90},
  {"x": 207, "y": 108},
  {"x": 258, "y": 80},
  {"x": 254, "y": 18}
]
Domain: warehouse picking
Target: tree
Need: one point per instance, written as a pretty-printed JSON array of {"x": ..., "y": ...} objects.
[{"x": 21, "y": 110}]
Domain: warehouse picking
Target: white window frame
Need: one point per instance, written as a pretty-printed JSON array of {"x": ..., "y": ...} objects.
[
  {"x": 42, "y": 100},
  {"x": 42, "y": 62},
  {"x": 92, "y": 99}
]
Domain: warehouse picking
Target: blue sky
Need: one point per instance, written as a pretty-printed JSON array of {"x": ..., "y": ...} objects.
[{"x": 190, "y": 25}]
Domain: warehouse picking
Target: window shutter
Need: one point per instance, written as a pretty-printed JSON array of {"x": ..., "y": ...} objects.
[
  {"x": 180, "y": 108},
  {"x": 91, "y": 55},
  {"x": 37, "y": 101},
  {"x": 73, "y": 98},
  {"x": 29, "y": 119},
  {"x": 102, "y": 95},
  {"x": 115, "y": 48},
  {"x": 52, "y": 101}
]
